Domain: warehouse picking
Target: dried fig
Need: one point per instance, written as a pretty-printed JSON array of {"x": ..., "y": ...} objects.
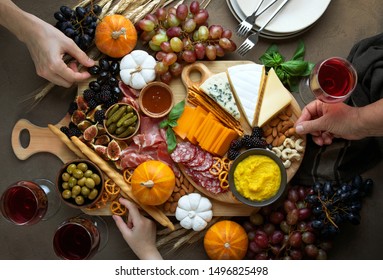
[{"x": 113, "y": 150}]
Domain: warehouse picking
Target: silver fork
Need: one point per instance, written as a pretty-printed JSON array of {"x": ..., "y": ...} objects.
[
  {"x": 247, "y": 24},
  {"x": 251, "y": 40}
]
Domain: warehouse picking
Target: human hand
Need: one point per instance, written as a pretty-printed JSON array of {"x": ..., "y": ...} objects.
[
  {"x": 325, "y": 121},
  {"x": 47, "y": 46},
  {"x": 139, "y": 232}
]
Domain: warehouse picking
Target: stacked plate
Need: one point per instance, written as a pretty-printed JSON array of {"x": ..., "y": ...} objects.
[{"x": 295, "y": 18}]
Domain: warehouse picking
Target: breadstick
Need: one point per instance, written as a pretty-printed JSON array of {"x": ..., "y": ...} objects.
[
  {"x": 113, "y": 174},
  {"x": 61, "y": 135}
]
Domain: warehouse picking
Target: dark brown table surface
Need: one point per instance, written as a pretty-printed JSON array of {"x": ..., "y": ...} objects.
[{"x": 343, "y": 24}]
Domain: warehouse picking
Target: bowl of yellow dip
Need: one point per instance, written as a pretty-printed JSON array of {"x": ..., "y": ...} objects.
[{"x": 257, "y": 177}]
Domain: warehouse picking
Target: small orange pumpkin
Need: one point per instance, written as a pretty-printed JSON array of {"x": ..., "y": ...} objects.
[
  {"x": 115, "y": 36},
  {"x": 153, "y": 182},
  {"x": 226, "y": 240}
]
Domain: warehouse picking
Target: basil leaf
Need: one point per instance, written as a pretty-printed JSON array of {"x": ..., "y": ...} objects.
[
  {"x": 164, "y": 123},
  {"x": 267, "y": 59},
  {"x": 172, "y": 123},
  {"x": 171, "y": 140},
  {"x": 294, "y": 67},
  {"x": 309, "y": 68},
  {"x": 176, "y": 111},
  {"x": 272, "y": 49},
  {"x": 299, "y": 52}
]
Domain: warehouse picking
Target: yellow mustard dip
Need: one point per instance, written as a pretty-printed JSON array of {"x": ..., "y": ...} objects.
[{"x": 257, "y": 177}]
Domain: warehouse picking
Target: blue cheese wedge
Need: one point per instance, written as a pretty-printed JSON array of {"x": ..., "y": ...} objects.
[
  {"x": 247, "y": 82},
  {"x": 217, "y": 87}
]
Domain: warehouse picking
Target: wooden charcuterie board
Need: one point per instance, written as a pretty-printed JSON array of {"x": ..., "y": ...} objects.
[{"x": 43, "y": 140}]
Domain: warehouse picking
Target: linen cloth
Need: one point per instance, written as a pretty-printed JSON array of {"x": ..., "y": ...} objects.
[{"x": 343, "y": 159}]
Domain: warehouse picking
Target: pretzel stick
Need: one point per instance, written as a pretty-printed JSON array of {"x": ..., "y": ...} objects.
[
  {"x": 113, "y": 174},
  {"x": 62, "y": 136}
]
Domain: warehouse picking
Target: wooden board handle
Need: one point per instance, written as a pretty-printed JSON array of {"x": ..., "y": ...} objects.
[
  {"x": 41, "y": 139},
  {"x": 188, "y": 77}
]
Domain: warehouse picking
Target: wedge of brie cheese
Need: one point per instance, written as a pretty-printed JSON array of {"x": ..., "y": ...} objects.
[
  {"x": 247, "y": 81},
  {"x": 275, "y": 98},
  {"x": 217, "y": 87}
]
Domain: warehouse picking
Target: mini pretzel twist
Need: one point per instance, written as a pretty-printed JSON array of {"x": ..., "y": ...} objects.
[
  {"x": 112, "y": 188},
  {"x": 216, "y": 167},
  {"x": 117, "y": 208},
  {"x": 223, "y": 178},
  {"x": 127, "y": 174},
  {"x": 226, "y": 163}
]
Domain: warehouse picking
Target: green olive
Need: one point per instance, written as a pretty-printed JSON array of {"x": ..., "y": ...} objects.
[
  {"x": 65, "y": 176},
  {"x": 71, "y": 167},
  {"x": 82, "y": 166},
  {"x": 96, "y": 178},
  {"x": 65, "y": 185},
  {"x": 93, "y": 194},
  {"x": 77, "y": 173},
  {"x": 66, "y": 194},
  {"x": 76, "y": 190},
  {"x": 90, "y": 183},
  {"x": 81, "y": 182},
  {"x": 88, "y": 173},
  {"x": 85, "y": 191},
  {"x": 72, "y": 182},
  {"x": 79, "y": 200}
]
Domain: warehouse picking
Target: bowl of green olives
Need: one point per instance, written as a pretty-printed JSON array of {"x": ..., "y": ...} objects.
[{"x": 80, "y": 183}]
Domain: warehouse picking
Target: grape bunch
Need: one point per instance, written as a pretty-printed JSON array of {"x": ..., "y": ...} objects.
[
  {"x": 334, "y": 204},
  {"x": 182, "y": 34},
  {"x": 290, "y": 228},
  {"x": 79, "y": 24}
]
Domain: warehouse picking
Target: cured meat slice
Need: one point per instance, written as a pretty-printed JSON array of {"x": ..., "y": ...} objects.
[
  {"x": 184, "y": 152},
  {"x": 206, "y": 164},
  {"x": 198, "y": 158}
]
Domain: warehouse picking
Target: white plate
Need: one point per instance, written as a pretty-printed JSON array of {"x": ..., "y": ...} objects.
[
  {"x": 295, "y": 16},
  {"x": 233, "y": 7}
]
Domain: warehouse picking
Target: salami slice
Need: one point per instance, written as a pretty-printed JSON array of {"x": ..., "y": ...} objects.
[
  {"x": 206, "y": 164},
  {"x": 184, "y": 152},
  {"x": 198, "y": 159}
]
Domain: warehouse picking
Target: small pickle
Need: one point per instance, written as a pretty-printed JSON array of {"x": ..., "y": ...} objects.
[
  {"x": 112, "y": 127},
  {"x": 124, "y": 118},
  {"x": 126, "y": 132},
  {"x": 113, "y": 110},
  {"x": 116, "y": 116},
  {"x": 130, "y": 121}
]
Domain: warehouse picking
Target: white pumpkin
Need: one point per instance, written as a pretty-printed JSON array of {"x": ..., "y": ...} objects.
[
  {"x": 137, "y": 69},
  {"x": 194, "y": 211}
]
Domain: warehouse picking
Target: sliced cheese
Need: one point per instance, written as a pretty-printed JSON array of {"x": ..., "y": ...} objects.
[
  {"x": 275, "y": 98},
  {"x": 247, "y": 80},
  {"x": 217, "y": 87}
]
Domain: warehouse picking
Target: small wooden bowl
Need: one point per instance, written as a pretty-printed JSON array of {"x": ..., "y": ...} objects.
[
  {"x": 156, "y": 99},
  {"x": 115, "y": 135},
  {"x": 71, "y": 201}
]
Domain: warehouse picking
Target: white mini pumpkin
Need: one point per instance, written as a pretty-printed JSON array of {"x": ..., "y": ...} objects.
[
  {"x": 194, "y": 211},
  {"x": 137, "y": 69}
]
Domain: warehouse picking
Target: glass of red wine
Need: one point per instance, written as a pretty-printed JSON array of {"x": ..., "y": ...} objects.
[
  {"x": 332, "y": 80},
  {"x": 80, "y": 237},
  {"x": 29, "y": 202}
]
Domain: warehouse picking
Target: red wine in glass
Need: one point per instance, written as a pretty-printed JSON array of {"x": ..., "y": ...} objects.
[
  {"x": 332, "y": 80},
  {"x": 80, "y": 237},
  {"x": 28, "y": 202}
]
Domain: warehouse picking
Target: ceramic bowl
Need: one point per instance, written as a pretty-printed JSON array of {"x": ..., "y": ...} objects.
[
  {"x": 156, "y": 99},
  {"x": 61, "y": 180},
  {"x": 258, "y": 203},
  {"x": 121, "y": 123}
]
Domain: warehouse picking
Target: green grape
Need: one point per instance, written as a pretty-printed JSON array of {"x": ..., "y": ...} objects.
[
  {"x": 195, "y": 36},
  {"x": 161, "y": 68},
  {"x": 173, "y": 20},
  {"x": 154, "y": 47},
  {"x": 176, "y": 44},
  {"x": 146, "y": 25},
  {"x": 203, "y": 33},
  {"x": 189, "y": 25},
  {"x": 159, "y": 38}
]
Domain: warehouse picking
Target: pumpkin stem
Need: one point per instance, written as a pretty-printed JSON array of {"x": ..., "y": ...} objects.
[
  {"x": 227, "y": 245},
  {"x": 148, "y": 184},
  {"x": 116, "y": 34}
]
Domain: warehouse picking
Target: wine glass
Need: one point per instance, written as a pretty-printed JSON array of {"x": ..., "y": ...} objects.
[
  {"x": 28, "y": 202},
  {"x": 331, "y": 80},
  {"x": 80, "y": 237}
]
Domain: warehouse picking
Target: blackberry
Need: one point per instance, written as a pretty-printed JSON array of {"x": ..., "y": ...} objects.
[
  {"x": 105, "y": 94},
  {"x": 110, "y": 102},
  {"x": 65, "y": 130},
  {"x": 72, "y": 107},
  {"x": 92, "y": 104},
  {"x": 99, "y": 116},
  {"x": 89, "y": 94},
  {"x": 257, "y": 132},
  {"x": 236, "y": 144},
  {"x": 74, "y": 131},
  {"x": 232, "y": 154},
  {"x": 247, "y": 141},
  {"x": 259, "y": 143}
]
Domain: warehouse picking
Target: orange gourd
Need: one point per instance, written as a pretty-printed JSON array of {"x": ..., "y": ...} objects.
[
  {"x": 152, "y": 182},
  {"x": 226, "y": 240},
  {"x": 115, "y": 36}
]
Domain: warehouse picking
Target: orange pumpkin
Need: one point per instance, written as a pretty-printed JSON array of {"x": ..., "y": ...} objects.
[
  {"x": 226, "y": 240},
  {"x": 115, "y": 36},
  {"x": 153, "y": 182}
]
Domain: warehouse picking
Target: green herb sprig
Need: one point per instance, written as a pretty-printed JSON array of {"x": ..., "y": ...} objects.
[
  {"x": 171, "y": 122},
  {"x": 290, "y": 71}
]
